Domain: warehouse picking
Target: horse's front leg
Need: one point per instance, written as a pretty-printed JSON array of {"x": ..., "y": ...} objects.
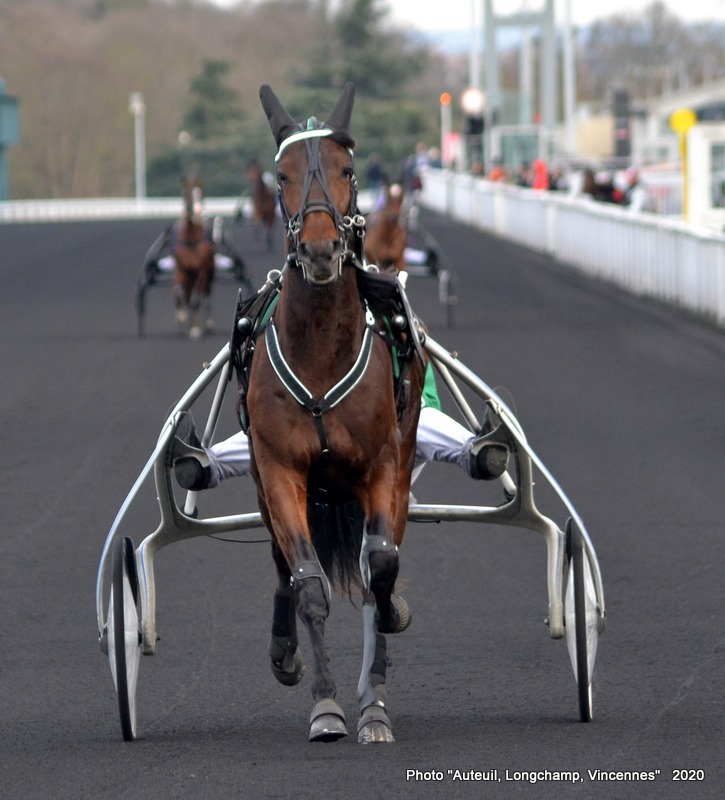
[
  {"x": 383, "y": 612},
  {"x": 379, "y": 556},
  {"x": 379, "y": 567},
  {"x": 309, "y": 589},
  {"x": 180, "y": 295}
]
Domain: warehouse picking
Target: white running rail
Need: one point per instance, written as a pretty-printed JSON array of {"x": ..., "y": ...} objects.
[{"x": 646, "y": 254}]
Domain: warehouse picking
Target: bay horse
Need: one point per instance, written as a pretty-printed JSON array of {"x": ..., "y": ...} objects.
[
  {"x": 332, "y": 439},
  {"x": 264, "y": 202},
  {"x": 193, "y": 254},
  {"x": 385, "y": 235}
]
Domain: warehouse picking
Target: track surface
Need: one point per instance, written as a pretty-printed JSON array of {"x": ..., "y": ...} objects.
[{"x": 621, "y": 398}]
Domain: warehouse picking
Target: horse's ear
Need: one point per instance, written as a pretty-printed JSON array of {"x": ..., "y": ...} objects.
[
  {"x": 339, "y": 119},
  {"x": 280, "y": 120}
]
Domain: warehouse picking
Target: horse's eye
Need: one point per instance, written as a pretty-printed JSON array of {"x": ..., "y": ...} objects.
[
  {"x": 282, "y": 178},
  {"x": 348, "y": 171}
]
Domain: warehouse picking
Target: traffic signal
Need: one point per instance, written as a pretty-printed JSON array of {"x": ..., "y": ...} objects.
[
  {"x": 621, "y": 112},
  {"x": 474, "y": 125}
]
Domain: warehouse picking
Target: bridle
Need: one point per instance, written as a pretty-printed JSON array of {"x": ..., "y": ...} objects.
[{"x": 352, "y": 221}]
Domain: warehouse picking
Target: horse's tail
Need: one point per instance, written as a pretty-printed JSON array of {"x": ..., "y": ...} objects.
[{"x": 337, "y": 536}]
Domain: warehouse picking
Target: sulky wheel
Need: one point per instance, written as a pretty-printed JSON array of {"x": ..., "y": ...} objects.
[
  {"x": 141, "y": 307},
  {"x": 581, "y": 617},
  {"x": 124, "y": 635}
]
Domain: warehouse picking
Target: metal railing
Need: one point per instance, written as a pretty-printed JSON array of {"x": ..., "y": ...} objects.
[
  {"x": 646, "y": 254},
  {"x": 108, "y": 208},
  {"x": 649, "y": 255}
]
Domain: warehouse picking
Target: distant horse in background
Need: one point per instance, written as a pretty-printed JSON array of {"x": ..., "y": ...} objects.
[
  {"x": 385, "y": 233},
  {"x": 193, "y": 254},
  {"x": 264, "y": 202}
]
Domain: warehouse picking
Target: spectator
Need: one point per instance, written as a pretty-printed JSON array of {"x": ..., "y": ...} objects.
[
  {"x": 540, "y": 179},
  {"x": 558, "y": 181},
  {"x": 523, "y": 176},
  {"x": 589, "y": 184},
  {"x": 376, "y": 177},
  {"x": 410, "y": 178},
  {"x": 636, "y": 196},
  {"x": 434, "y": 158},
  {"x": 498, "y": 172}
]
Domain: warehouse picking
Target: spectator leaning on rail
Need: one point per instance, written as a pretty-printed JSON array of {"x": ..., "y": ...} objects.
[
  {"x": 636, "y": 196},
  {"x": 540, "y": 179}
]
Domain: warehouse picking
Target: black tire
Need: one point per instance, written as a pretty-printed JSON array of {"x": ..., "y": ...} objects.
[
  {"x": 126, "y": 646},
  {"x": 578, "y": 562}
]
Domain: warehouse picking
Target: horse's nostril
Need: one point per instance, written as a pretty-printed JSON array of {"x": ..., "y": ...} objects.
[{"x": 314, "y": 251}]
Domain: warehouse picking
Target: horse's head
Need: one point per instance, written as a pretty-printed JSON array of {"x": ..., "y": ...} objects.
[
  {"x": 393, "y": 208},
  {"x": 193, "y": 200},
  {"x": 254, "y": 171},
  {"x": 316, "y": 184}
]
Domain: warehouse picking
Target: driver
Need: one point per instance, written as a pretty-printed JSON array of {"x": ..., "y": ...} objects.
[{"x": 439, "y": 438}]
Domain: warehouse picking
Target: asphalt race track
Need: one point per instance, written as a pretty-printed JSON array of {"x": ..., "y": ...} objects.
[{"x": 621, "y": 398}]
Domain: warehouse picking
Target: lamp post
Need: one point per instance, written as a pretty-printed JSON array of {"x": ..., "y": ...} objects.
[
  {"x": 137, "y": 107},
  {"x": 446, "y": 126},
  {"x": 473, "y": 104},
  {"x": 9, "y": 133},
  {"x": 681, "y": 121}
]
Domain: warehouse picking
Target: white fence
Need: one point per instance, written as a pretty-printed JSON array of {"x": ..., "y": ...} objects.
[
  {"x": 108, "y": 208},
  {"x": 644, "y": 253},
  {"x": 128, "y": 208}
]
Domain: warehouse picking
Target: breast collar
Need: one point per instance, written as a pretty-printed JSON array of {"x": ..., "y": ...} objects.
[{"x": 339, "y": 391}]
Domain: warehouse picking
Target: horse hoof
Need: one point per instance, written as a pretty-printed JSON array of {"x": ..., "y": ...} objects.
[
  {"x": 195, "y": 332},
  {"x": 374, "y": 726},
  {"x": 182, "y": 318},
  {"x": 400, "y": 616},
  {"x": 288, "y": 674},
  {"x": 327, "y": 722}
]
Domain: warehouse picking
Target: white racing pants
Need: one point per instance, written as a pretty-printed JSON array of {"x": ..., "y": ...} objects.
[{"x": 439, "y": 438}]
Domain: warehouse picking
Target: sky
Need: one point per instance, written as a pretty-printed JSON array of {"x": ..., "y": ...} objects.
[
  {"x": 450, "y": 14},
  {"x": 431, "y": 15}
]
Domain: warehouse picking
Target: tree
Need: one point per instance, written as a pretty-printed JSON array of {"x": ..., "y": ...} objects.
[
  {"x": 649, "y": 53},
  {"x": 215, "y": 110}
]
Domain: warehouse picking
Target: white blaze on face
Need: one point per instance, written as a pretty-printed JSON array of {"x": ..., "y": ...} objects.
[{"x": 196, "y": 202}]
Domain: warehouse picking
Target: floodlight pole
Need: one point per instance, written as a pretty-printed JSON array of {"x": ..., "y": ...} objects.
[{"x": 137, "y": 107}]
